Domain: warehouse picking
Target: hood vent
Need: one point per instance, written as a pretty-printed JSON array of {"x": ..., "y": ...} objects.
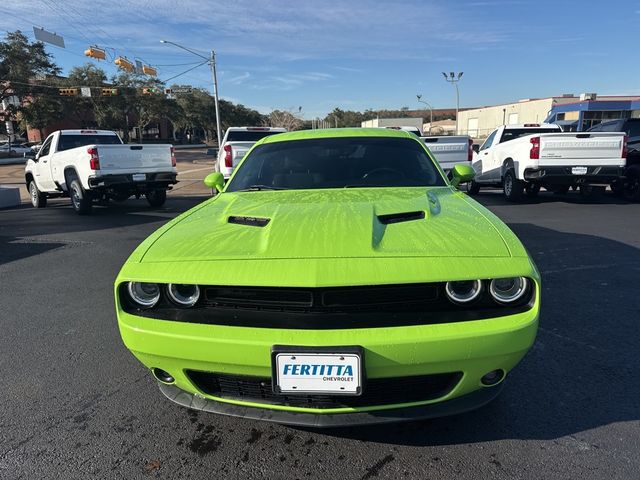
[
  {"x": 250, "y": 221},
  {"x": 400, "y": 217}
]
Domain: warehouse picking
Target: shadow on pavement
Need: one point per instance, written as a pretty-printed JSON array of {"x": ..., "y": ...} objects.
[
  {"x": 583, "y": 371},
  {"x": 496, "y": 197}
]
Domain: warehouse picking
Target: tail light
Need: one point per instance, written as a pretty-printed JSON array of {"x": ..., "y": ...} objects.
[
  {"x": 94, "y": 159},
  {"x": 470, "y": 152},
  {"x": 625, "y": 148},
  {"x": 173, "y": 156},
  {"x": 534, "y": 154},
  {"x": 228, "y": 162}
]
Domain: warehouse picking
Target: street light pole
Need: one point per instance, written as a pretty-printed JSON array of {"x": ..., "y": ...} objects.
[
  {"x": 419, "y": 96},
  {"x": 211, "y": 60},
  {"x": 454, "y": 80}
]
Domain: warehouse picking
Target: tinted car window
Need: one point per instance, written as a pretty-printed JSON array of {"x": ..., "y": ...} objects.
[
  {"x": 248, "y": 136},
  {"x": 513, "y": 133},
  {"x": 487, "y": 143},
  {"x": 45, "y": 148},
  {"x": 633, "y": 128},
  {"x": 337, "y": 163},
  {"x": 68, "y": 142}
]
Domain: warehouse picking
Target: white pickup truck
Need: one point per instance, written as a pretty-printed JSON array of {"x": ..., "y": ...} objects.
[
  {"x": 89, "y": 165},
  {"x": 450, "y": 150},
  {"x": 236, "y": 143},
  {"x": 523, "y": 158}
]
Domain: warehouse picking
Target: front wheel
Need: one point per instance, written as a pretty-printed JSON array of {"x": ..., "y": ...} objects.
[
  {"x": 473, "y": 187},
  {"x": 156, "y": 198},
  {"x": 80, "y": 198},
  {"x": 532, "y": 189},
  {"x": 38, "y": 199},
  {"x": 512, "y": 187}
]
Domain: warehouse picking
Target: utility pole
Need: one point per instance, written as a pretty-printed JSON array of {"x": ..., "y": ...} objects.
[
  {"x": 454, "y": 80},
  {"x": 211, "y": 61},
  {"x": 419, "y": 96}
]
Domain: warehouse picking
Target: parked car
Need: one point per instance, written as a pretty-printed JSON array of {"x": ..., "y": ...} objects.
[
  {"x": 338, "y": 278},
  {"x": 237, "y": 141},
  {"x": 14, "y": 149},
  {"x": 629, "y": 185},
  {"x": 89, "y": 165},
  {"x": 523, "y": 158},
  {"x": 450, "y": 150}
]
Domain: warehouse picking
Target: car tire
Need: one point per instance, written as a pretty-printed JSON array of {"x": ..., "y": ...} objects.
[
  {"x": 473, "y": 187},
  {"x": 81, "y": 200},
  {"x": 532, "y": 189},
  {"x": 157, "y": 197},
  {"x": 512, "y": 187},
  {"x": 631, "y": 187},
  {"x": 38, "y": 199}
]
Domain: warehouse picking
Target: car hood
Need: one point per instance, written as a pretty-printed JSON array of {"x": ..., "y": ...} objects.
[{"x": 336, "y": 223}]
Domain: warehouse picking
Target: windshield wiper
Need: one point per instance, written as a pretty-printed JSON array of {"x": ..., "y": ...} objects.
[{"x": 257, "y": 188}]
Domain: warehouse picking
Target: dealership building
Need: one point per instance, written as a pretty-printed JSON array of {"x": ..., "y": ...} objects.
[{"x": 573, "y": 113}]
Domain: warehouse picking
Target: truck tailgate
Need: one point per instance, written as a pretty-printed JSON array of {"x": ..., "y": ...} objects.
[
  {"x": 134, "y": 158},
  {"x": 581, "y": 148},
  {"x": 239, "y": 150},
  {"x": 448, "y": 150}
]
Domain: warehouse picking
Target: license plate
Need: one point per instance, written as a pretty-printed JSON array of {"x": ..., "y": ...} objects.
[
  {"x": 139, "y": 177},
  {"x": 318, "y": 372},
  {"x": 579, "y": 170}
]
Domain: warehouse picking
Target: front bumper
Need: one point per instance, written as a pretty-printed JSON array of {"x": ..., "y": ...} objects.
[
  {"x": 454, "y": 406},
  {"x": 560, "y": 175}
]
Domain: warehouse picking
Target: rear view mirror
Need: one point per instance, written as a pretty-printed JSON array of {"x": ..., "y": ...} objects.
[
  {"x": 214, "y": 180},
  {"x": 461, "y": 174}
]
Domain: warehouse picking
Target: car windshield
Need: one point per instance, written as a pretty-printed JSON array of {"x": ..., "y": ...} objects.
[
  {"x": 68, "y": 142},
  {"x": 345, "y": 162}
]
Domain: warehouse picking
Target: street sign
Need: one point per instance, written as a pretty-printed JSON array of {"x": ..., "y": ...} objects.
[
  {"x": 179, "y": 90},
  {"x": 85, "y": 91},
  {"x": 48, "y": 37}
]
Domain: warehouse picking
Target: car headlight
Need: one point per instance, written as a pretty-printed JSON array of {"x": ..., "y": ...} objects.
[
  {"x": 463, "y": 291},
  {"x": 508, "y": 290},
  {"x": 183, "y": 295},
  {"x": 146, "y": 295}
]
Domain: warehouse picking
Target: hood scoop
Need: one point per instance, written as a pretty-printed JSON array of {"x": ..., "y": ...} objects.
[
  {"x": 400, "y": 217},
  {"x": 249, "y": 221}
]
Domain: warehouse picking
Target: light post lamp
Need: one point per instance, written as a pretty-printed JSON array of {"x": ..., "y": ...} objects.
[
  {"x": 212, "y": 64},
  {"x": 451, "y": 78},
  {"x": 419, "y": 96}
]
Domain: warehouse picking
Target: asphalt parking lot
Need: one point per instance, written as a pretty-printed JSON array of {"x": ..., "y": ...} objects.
[{"x": 76, "y": 404}]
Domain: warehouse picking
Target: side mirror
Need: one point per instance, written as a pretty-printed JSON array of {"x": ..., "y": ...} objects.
[
  {"x": 214, "y": 180},
  {"x": 461, "y": 174},
  {"x": 30, "y": 155},
  {"x": 476, "y": 148}
]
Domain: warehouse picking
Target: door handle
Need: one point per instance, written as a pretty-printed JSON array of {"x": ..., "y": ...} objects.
[
  {"x": 44, "y": 161},
  {"x": 485, "y": 153}
]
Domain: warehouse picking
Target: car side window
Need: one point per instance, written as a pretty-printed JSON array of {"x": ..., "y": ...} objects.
[
  {"x": 46, "y": 147},
  {"x": 487, "y": 143}
]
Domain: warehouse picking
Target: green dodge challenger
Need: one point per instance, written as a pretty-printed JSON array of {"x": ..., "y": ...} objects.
[{"x": 338, "y": 278}]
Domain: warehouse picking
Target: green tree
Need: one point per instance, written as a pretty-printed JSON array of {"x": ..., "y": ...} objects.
[{"x": 40, "y": 112}]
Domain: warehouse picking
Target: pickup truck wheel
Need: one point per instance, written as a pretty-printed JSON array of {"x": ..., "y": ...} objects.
[
  {"x": 532, "y": 189},
  {"x": 156, "y": 198},
  {"x": 473, "y": 187},
  {"x": 631, "y": 188},
  {"x": 38, "y": 199},
  {"x": 80, "y": 198},
  {"x": 512, "y": 187}
]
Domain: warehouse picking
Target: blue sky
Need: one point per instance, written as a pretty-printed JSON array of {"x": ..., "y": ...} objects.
[{"x": 358, "y": 54}]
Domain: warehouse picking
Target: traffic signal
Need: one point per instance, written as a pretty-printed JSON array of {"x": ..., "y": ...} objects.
[
  {"x": 147, "y": 70},
  {"x": 124, "y": 64},
  {"x": 109, "y": 92},
  {"x": 149, "y": 90},
  {"x": 68, "y": 92},
  {"x": 95, "y": 52}
]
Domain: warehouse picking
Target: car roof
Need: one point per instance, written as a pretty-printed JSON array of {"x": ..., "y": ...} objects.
[{"x": 338, "y": 133}]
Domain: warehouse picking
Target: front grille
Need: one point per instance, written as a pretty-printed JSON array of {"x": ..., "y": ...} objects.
[
  {"x": 327, "y": 308},
  {"x": 377, "y": 391}
]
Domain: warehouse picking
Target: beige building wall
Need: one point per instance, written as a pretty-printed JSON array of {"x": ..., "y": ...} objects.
[
  {"x": 480, "y": 122},
  {"x": 393, "y": 122}
]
